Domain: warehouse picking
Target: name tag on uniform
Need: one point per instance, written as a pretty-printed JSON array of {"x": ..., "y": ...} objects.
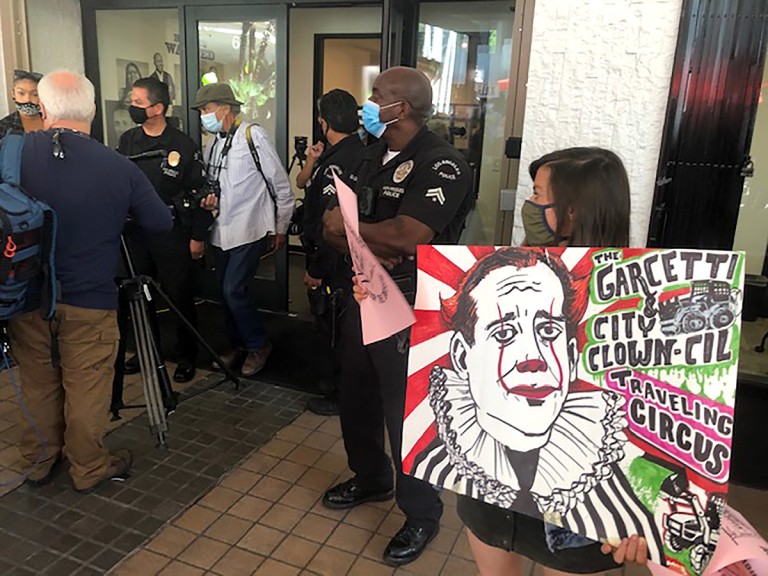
[{"x": 392, "y": 192}]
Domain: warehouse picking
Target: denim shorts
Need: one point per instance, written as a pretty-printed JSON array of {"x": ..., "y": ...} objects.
[{"x": 524, "y": 535}]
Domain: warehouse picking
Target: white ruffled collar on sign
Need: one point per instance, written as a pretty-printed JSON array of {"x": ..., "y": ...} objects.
[{"x": 586, "y": 438}]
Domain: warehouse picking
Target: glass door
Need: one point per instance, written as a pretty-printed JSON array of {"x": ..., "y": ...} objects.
[
  {"x": 465, "y": 49},
  {"x": 350, "y": 62},
  {"x": 246, "y": 47},
  {"x": 133, "y": 44},
  {"x": 752, "y": 237}
]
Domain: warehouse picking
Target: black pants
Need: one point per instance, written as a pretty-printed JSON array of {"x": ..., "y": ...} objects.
[
  {"x": 166, "y": 257},
  {"x": 373, "y": 380},
  {"x": 327, "y": 303}
]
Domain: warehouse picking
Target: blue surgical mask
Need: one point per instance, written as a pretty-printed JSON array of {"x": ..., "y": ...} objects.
[
  {"x": 211, "y": 123},
  {"x": 372, "y": 118}
]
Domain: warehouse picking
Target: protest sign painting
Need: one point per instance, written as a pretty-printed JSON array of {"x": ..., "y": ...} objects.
[{"x": 592, "y": 388}]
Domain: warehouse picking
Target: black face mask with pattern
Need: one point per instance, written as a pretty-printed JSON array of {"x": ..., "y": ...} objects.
[{"x": 28, "y": 108}]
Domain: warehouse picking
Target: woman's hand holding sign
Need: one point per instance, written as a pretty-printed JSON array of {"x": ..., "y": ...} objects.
[{"x": 632, "y": 550}]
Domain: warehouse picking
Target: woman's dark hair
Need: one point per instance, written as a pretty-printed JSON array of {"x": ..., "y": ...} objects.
[
  {"x": 21, "y": 75},
  {"x": 591, "y": 193},
  {"x": 564, "y": 154},
  {"x": 157, "y": 91},
  {"x": 339, "y": 109}
]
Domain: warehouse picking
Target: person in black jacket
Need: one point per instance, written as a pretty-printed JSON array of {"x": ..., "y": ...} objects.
[
  {"x": 171, "y": 161},
  {"x": 328, "y": 273}
]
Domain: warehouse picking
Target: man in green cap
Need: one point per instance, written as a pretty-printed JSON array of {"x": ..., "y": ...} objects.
[{"x": 255, "y": 203}]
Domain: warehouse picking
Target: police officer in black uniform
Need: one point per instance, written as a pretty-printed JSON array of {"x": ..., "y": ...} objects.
[
  {"x": 171, "y": 161},
  {"x": 328, "y": 275},
  {"x": 413, "y": 188}
]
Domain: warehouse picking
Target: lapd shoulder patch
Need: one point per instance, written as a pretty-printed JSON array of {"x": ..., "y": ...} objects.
[
  {"x": 402, "y": 171},
  {"x": 446, "y": 169}
]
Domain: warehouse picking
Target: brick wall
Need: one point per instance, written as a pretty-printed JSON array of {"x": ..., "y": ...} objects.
[{"x": 599, "y": 76}]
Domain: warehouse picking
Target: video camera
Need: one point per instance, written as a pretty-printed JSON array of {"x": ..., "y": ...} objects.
[{"x": 193, "y": 198}]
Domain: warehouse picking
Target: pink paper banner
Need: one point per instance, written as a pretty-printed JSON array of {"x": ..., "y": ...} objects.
[
  {"x": 386, "y": 311},
  {"x": 740, "y": 551}
]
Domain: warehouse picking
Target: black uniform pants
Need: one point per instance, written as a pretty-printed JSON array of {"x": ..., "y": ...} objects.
[
  {"x": 373, "y": 381},
  {"x": 166, "y": 257}
]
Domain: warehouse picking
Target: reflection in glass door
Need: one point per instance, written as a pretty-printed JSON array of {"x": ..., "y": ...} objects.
[
  {"x": 133, "y": 44},
  {"x": 465, "y": 48},
  {"x": 348, "y": 62},
  {"x": 243, "y": 55},
  {"x": 245, "y": 46}
]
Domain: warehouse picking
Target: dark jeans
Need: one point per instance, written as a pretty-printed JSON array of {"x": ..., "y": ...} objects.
[
  {"x": 373, "y": 381},
  {"x": 235, "y": 269}
]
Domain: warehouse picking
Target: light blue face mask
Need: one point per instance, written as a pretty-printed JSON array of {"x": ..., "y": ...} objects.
[
  {"x": 372, "y": 118},
  {"x": 211, "y": 123}
]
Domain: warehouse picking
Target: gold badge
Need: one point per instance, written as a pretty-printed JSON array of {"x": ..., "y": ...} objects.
[
  {"x": 402, "y": 171},
  {"x": 174, "y": 158}
]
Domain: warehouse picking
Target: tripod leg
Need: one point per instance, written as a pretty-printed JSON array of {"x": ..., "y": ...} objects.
[
  {"x": 170, "y": 400},
  {"x": 230, "y": 375},
  {"x": 147, "y": 360},
  {"x": 169, "y": 396}
]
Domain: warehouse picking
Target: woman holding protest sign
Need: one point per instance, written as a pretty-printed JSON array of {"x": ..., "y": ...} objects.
[{"x": 580, "y": 198}]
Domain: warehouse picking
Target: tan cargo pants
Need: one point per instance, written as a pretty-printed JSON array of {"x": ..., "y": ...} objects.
[{"x": 69, "y": 403}]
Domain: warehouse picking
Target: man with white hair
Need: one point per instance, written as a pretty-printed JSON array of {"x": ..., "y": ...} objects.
[{"x": 66, "y": 364}]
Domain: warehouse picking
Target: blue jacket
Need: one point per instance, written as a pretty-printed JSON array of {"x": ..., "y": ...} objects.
[{"x": 93, "y": 190}]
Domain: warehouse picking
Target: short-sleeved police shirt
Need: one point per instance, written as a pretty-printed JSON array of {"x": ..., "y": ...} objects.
[
  {"x": 169, "y": 181},
  {"x": 429, "y": 181},
  {"x": 339, "y": 160}
]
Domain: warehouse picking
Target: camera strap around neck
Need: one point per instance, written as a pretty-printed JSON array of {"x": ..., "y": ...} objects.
[
  {"x": 214, "y": 170},
  {"x": 214, "y": 175}
]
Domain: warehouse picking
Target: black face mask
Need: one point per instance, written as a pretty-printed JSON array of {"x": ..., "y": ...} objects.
[
  {"x": 323, "y": 133},
  {"x": 138, "y": 115}
]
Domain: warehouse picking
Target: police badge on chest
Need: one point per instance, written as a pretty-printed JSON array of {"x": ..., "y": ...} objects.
[{"x": 170, "y": 163}]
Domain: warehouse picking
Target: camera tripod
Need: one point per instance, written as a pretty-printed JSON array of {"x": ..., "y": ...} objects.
[
  {"x": 159, "y": 396},
  {"x": 299, "y": 153},
  {"x": 296, "y": 158}
]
